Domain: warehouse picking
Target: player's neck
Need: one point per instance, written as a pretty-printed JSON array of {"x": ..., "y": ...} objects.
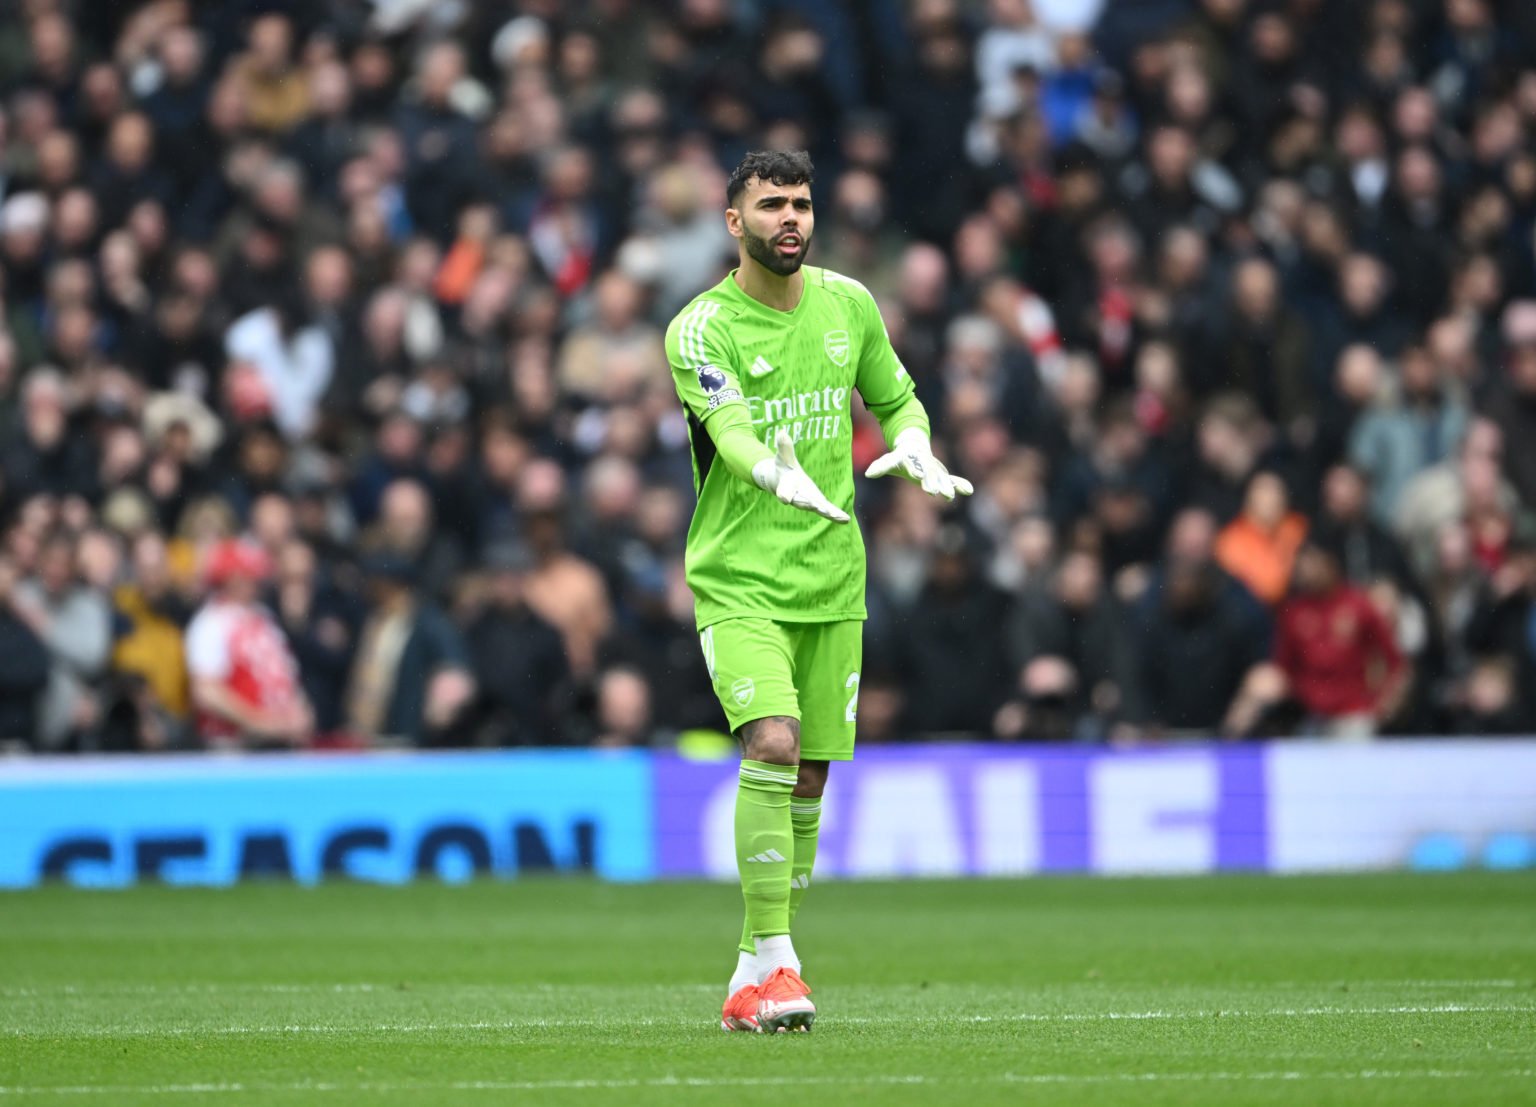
[{"x": 767, "y": 287}]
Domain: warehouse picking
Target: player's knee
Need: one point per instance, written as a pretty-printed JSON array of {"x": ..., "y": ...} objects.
[
  {"x": 774, "y": 741},
  {"x": 812, "y": 781}
]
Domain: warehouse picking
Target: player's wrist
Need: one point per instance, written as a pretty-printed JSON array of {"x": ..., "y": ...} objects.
[
  {"x": 765, "y": 474},
  {"x": 912, "y": 440}
]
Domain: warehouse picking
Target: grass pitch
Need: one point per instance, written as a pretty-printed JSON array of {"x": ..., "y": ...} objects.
[{"x": 1391, "y": 989}]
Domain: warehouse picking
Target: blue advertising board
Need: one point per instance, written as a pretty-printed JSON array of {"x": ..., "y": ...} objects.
[{"x": 385, "y": 817}]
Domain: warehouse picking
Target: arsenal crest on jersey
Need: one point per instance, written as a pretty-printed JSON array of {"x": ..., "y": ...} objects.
[{"x": 837, "y": 347}]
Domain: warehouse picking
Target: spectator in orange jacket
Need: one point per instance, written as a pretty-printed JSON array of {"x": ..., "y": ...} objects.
[{"x": 1259, "y": 546}]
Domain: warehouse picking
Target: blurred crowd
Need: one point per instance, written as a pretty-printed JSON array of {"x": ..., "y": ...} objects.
[{"x": 336, "y": 410}]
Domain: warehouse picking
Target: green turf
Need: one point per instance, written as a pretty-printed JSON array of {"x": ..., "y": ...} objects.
[{"x": 1390, "y": 989}]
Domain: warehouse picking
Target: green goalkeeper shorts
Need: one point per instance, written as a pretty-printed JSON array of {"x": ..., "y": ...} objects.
[{"x": 807, "y": 671}]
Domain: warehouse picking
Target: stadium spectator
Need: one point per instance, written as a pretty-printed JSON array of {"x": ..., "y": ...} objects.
[
  {"x": 245, "y": 681},
  {"x": 1198, "y": 636},
  {"x": 410, "y": 680},
  {"x": 24, "y": 667},
  {"x": 951, "y": 651},
  {"x": 1339, "y": 658},
  {"x": 319, "y": 621},
  {"x": 1259, "y": 546},
  {"x": 1414, "y": 423},
  {"x": 1065, "y": 644},
  {"x": 407, "y": 528},
  {"x": 518, "y": 659},
  {"x": 73, "y": 618},
  {"x": 148, "y": 650}
]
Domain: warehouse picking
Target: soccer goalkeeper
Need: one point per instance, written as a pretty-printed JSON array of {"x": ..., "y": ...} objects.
[{"x": 766, "y": 363}]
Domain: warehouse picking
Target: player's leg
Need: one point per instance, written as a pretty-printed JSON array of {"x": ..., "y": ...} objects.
[
  {"x": 805, "y": 821},
  {"x": 751, "y": 666},
  {"x": 826, "y": 668},
  {"x": 765, "y": 842},
  {"x": 827, "y": 661}
]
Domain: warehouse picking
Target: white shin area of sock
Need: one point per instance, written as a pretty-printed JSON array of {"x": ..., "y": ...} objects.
[
  {"x": 777, "y": 952},
  {"x": 746, "y": 972}
]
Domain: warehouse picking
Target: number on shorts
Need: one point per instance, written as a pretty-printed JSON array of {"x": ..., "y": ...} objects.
[{"x": 851, "y": 714}]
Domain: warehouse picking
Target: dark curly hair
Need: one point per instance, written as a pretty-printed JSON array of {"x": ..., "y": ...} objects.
[{"x": 782, "y": 167}]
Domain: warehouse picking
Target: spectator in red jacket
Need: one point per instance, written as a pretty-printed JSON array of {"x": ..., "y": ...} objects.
[{"x": 1340, "y": 660}]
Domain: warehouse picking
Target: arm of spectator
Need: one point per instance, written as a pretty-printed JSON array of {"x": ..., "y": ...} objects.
[
  {"x": 81, "y": 634},
  {"x": 1396, "y": 680},
  {"x": 26, "y": 604},
  {"x": 212, "y": 696},
  {"x": 1265, "y": 685}
]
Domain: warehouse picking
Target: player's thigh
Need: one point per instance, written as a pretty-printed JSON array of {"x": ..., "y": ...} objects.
[
  {"x": 827, "y": 661},
  {"x": 751, "y": 664}
]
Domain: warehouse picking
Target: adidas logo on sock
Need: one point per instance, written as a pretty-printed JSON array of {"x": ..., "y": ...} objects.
[
  {"x": 801, "y": 881},
  {"x": 767, "y": 856}
]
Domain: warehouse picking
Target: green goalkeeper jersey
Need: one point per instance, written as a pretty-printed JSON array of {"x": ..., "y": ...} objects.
[{"x": 738, "y": 363}]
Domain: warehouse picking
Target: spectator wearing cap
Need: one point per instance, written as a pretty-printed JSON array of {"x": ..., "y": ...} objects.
[
  {"x": 245, "y": 681},
  {"x": 411, "y": 682},
  {"x": 518, "y": 659}
]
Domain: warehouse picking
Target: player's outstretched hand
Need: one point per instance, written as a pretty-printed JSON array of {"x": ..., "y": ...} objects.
[
  {"x": 913, "y": 458},
  {"x": 782, "y": 475}
]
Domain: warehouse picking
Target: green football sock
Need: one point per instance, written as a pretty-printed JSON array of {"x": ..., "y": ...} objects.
[
  {"x": 765, "y": 844},
  {"x": 805, "y": 819}
]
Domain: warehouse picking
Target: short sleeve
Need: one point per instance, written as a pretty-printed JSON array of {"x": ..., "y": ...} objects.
[
  {"x": 703, "y": 369},
  {"x": 207, "y": 645}
]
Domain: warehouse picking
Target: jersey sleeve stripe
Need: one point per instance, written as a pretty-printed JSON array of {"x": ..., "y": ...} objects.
[
  {"x": 695, "y": 329},
  {"x": 685, "y": 335},
  {"x": 684, "y": 325}
]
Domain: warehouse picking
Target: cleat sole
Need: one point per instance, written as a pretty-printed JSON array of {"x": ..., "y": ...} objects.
[{"x": 786, "y": 1022}]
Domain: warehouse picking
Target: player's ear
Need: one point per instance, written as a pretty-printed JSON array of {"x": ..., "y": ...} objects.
[{"x": 733, "y": 221}]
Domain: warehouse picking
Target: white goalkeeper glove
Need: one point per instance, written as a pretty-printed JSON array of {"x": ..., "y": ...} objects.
[
  {"x": 783, "y": 476},
  {"x": 913, "y": 458}
]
